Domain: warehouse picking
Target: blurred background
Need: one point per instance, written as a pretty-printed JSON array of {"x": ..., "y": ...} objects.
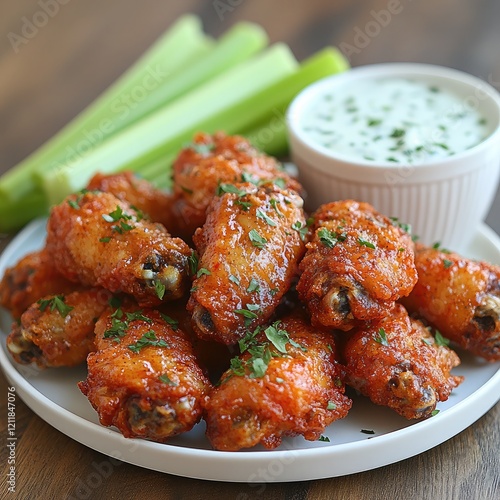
[{"x": 52, "y": 65}]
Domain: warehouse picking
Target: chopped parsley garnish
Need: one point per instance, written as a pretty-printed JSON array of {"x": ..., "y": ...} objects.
[
  {"x": 256, "y": 239},
  {"x": 119, "y": 325},
  {"x": 252, "y": 179},
  {"x": 230, "y": 188},
  {"x": 274, "y": 204},
  {"x": 159, "y": 289},
  {"x": 331, "y": 406},
  {"x": 148, "y": 339},
  {"x": 171, "y": 321},
  {"x": 164, "y": 378},
  {"x": 381, "y": 337},
  {"x": 187, "y": 190},
  {"x": 301, "y": 229},
  {"x": 234, "y": 279},
  {"x": 137, "y": 316},
  {"x": 405, "y": 227},
  {"x": 253, "y": 286},
  {"x": 324, "y": 439},
  {"x": 329, "y": 238},
  {"x": 397, "y": 133},
  {"x": 193, "y": 263},
  {"x": 440, "y": 340},
  {"x": 262, "y": 215},
  {"x": 447, "y": 263},
  {"x": 434, "y": 413},
  {"x": 260, "y": 353},
  {"x": 245, "y": 205},
  {"x": 246, "y": 313},
  {"x": 366, "y": 243},
  {"x": 436, "y": 245},
  {"x": 56, "y": 302},
  {"x": 106, "y": 239},
  {"x": 203, "y": 271},
  {"x": 73, "y": 204},
  {"x": 119, "y": 216},
  {"x": 373, "y": 122}
]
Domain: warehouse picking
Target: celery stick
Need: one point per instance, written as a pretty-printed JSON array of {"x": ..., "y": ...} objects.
[
  {"x": 263, "y": 112},
  {"x": 236, "y": 45},
  {"x": 167, "y": 129},
  {"x": 178, "y": 48},
  {"x": 21, "y": 211}
]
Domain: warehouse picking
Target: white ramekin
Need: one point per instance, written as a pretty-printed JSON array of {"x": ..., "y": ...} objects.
[{"x": 444, "y": 200}]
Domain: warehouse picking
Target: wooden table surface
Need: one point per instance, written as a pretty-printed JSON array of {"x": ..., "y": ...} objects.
[{"x": 82, "y": 46}]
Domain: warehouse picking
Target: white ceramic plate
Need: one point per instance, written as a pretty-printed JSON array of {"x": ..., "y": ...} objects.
[{"x": 53, "y": 395}]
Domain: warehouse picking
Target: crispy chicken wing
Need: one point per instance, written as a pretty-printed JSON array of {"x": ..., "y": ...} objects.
[
  {"x": 397, "y": 363},
  {"x": 33, "y": 277},
  {"x": 209, "y": 161},
  {"x": 144, "y": 378},
  {"x": 99, "y": 240},
  {"x": 249, "y": 250},
  {"x": 139, "y": 193},
  {"x": 300, "y": 392},
  {"x": 58, "y": 330},
  {"x": 460, "y": 297},
  {"x": 357, "y": 265}
]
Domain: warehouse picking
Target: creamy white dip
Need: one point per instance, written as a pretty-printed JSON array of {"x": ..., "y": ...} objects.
[{"x": 396, "y": 120}]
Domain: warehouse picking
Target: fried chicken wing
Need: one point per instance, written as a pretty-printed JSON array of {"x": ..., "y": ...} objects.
[
  {"x": 33, "y": 277},
  {"x": 144, "y": 378},
  {"x": 209, "y": 161},
  {"x": 460, "y": 297},
  {"x": 137, "y": 192},
  {"x": 249, "y": 251},
  {"x": 99, "y": 240},
  {"x": 357, "y": 265},
  {"x": 397, "y": 363},
  {"x": 298, "y": 392},
  {"x": 58, "y": 330}
]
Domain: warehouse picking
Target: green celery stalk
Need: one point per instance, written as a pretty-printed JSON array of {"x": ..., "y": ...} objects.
[
  {"x": 236, "y": 45},
  {"x": 20, "y": 212},
  {"x": 261, "y": 115},
  {"x": 178, "y": 48},
  {"x": 166, "y": 130}
]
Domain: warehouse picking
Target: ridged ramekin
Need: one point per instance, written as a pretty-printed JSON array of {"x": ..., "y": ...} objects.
[{"x": 444, "y": 200}]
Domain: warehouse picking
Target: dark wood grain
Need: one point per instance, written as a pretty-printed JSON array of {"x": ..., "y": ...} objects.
[{"x": 76, "y": 55}]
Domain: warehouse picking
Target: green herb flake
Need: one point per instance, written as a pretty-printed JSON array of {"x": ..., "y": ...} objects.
[
  {"x": 73, "y": 204},
  {"x": 193, "y": 263},
  {"x": 203, "y": 271},
  {"x": 324, "y": 439},
  {"x": 253, "y": 286},
  {"x": 447, "y": 263},
  {"x": 331, "y": 406},
  {"x": 441, "y": 341},
  {"x": 373, "y": 122},
  {"x": 301, "y": 229},
  {"x": 262, "y": 215},
  {"x": 278, "y": 337},
  {"x": 201, "y": 148},
  {"x": 56, "y": 302},
  {"x": 327, "y": 237},
  {"x": 366, "y": 243},
  {"x": 256, "y": 239},
  {"x": 274, "y": 203},
  {"x": 166, "y": 380},
  {"x": 381, "y": 337},
  {"x": 234, "y": 279},
  {"x": 246, "y": 313},
  {"x": 230, "y": 188},
  {"x": 245, "y": 205},
  {"x": 106, "y": 239},
  {"x": 397, "y": 133},
  {"x": 149, "y": 339},
  {"x": 434, "y": 413},
  {"x": 174, "y": 324},
  {"x": 159, "y": 289}
]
